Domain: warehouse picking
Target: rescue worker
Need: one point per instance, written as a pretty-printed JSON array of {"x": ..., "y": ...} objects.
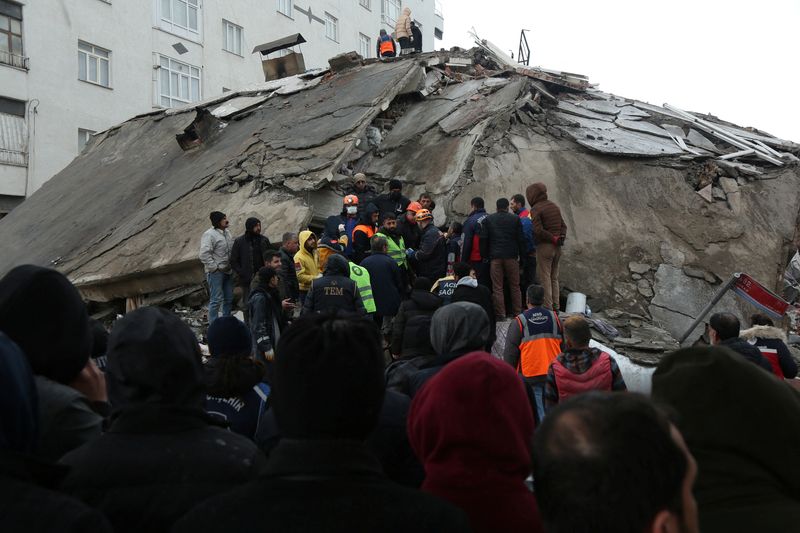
[
  {"x": 396, "y": 248},
  {"x": 363, "y": 232},
  {"x": 533, "y": 341},
  {"x": 385, "y": 46},
  {"x": 365, "y": 192},
  {"x": 364, "y": 283},
  {"x": 387, "y": 280},
  {"x": 407, "y": 226},
  {"x": 580, "y": 368},
  {"x": 306, "y": 262},
  {"x": 342, "y": 225},
  {"x": 335, "y": 291},
  {"x": 444, "y": 288},
  {"x": 431, "y": 258}
]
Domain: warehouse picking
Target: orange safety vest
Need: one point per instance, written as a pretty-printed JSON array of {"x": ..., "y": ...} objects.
[
  {"x": 387, "y": 46},
  {"x": 540, "y": 344},
  {"x": 369, "y": 230}
]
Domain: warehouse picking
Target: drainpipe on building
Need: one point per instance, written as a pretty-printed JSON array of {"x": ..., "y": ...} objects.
[{"x": 33, "y": 106}]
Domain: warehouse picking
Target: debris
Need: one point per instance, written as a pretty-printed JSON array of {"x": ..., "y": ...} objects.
[
  {"x": 638, "y": 268},
  {"x": 706, "y": 193}
]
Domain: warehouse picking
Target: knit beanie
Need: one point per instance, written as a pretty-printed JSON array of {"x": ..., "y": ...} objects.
[
  {"x": 360, "y": 176},
  {"x": 228, "y": 336},
  {"x": 216, "y": 217},
  {"x": 43, "y": 313}
]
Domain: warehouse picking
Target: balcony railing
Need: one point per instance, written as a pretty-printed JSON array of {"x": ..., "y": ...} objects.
[
  {"x": 13, "y": 157},
  {"x": 14, "y": 60}
]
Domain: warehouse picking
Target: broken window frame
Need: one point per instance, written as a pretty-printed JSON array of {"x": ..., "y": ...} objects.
[
  {"x": 180, "y": 81},
  {"x": 365, "y": 45},
  {"x": 84, "y": 136},
  {"x": 284, "y": 7},
  {"x": 90, "y": 55},
  {"x": 170, "y": 13},
  {"x": 331, "y": 27},
  {"x": 232, "y": 37},
  {"x": 11, "y": 44}
]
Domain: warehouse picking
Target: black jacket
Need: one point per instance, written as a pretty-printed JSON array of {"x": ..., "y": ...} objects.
[
  {"x": 406, "y": 340},
  {"x": 748, "y": 351},
  {"x": 417, "y": 34},
  {"x": 242, "y": 261},
  {"x": 361, "y": 241},
  {"x": 335, "y": 291},
  {"x": 320, "y": 486},
  {"x": 385, "y": 204},
  {"x": 482, "y": 296},
  {"x": 409, "y": 232},
  {"x": 386, "y": 281},
  {"x": 365, "y": 197},
  {"x": 502, "y": 237},
  {"x": 266, "y": 314},
  {"x": 288, "y": 278},
  {"x": 431, "y": 257}
]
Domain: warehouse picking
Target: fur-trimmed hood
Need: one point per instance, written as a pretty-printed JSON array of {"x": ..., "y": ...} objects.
[{"x": 763, "y": 332}]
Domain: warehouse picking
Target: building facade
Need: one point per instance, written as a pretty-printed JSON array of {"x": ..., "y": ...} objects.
[{"x": 70, "y": 68}]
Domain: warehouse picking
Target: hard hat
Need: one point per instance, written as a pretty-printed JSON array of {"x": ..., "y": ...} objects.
[
  {"x": 414, "y": 206},
  {"x": 423, "y": 214},
  {"x": 351, "y": 199}
]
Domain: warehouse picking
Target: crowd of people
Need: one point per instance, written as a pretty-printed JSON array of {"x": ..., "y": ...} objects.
[{"x": 361, "y": 395}]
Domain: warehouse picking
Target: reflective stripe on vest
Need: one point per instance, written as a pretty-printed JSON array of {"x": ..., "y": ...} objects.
[
  {"x": 598, "y": 377},
  {"x": 361, "y": 277},
  {"x": 537, "y": 350},
  {"x": 397, "y": 251}
]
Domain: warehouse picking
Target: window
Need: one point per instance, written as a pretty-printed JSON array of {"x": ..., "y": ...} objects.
[
  {"x": 83, "y": 138},
  {"x": 11, "y": 34},
  {"x": 285, "y": 7},
  {"x": 14, "y": 139},
  {"x": 94, "y": 64},
  {"x": 181, "y": 17},
  {"x": 364, "y": 3},
  {"x": 232, "y": 37},
  {"x": 365, "y": 45},
  {"x": 331, "y": 27},
  {"x": 391, "y": 11},
  {"x": 178, "y": 82}
]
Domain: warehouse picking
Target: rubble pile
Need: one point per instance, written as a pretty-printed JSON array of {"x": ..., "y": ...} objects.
[{"x": 662, "y": 205}]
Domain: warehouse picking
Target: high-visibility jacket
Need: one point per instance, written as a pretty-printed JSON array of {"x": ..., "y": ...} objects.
[
  {"x": 361, "y": 277},
  {"x": 397, "y": 250},
  {"x": 541, "y": 341},
  {"x": 368, "y": 230},
  {"x": 386, "y": 45}
]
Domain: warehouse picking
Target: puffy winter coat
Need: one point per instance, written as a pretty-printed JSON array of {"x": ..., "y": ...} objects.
[
  {"x": 501, "y": 237},
  {"x": 432, "y": 254},
  {"x": 548, "y": 224},
  {"x": 404, "y": 339},
  {"x": 402, "y": 28}
]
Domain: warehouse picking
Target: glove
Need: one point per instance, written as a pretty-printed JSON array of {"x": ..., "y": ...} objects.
[{"x": 409, "y": 253}]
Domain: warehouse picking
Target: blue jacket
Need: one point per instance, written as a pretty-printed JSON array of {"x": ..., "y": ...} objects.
[
  {"x": 527, "y": 232},
  {"x": 242, "y": 412},
  {"x": 471, "y": 230}
]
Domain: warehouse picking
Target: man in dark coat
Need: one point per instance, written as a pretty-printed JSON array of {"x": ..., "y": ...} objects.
[
  {"x": 416, "y": 35},
  {"x": 503, "y": 242},
  {"x": 393, "y": 201},
  {"x": 456, "y": 329},
  {"x": 248, "y": 254},
  {"x": 468, "y": 290},
  {"x": 431, "y": 258},
  {"x": 162, "y": 452},
  {"x": 334, "y": 291},
  {"x": 406, "y": 341},
  {"x": 471, "y": 251},
  {"x": 321, "y": 477},
  {"x": 26, "y": 502},
  {"x": 723, "y": 330},
  {"x": 364, "y": 191},
  {"x": 289, "y": 288},
  {"x": 386, "y": 280}
]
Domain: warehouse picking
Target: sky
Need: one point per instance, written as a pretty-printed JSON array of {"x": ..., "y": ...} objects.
[{"x": 736, "y": 60}]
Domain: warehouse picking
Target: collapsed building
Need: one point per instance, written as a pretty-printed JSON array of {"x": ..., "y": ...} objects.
[{"x": 662, "y": 205}]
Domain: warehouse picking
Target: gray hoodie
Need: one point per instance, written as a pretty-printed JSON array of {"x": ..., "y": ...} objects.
[{"x": 459, "y": 327}]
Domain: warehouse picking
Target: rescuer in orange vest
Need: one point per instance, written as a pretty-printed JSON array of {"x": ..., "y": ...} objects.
[
  {"x": 533, "y": 341},
  {"x": 385, "y": 46},
  {"x": 362, "y": 233}
]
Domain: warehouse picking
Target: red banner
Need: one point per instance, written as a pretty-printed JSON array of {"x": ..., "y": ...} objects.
[{"x": 760, "y": 296}]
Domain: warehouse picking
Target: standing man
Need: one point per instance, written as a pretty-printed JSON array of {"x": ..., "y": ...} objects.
[
  {"x": 306, "y": 262},
  {"x": 248, "y": 255},
  {"x": 393, "y": 201},
  {"x": 549, "y": 232},
  {"x": 363, "y": 232},
  {"x": 402, "y": 30},
  {"x": 385, "y": 46},
  {"x": 471, "y": 252},
  {"x": 407, "y": 226},
  {"x": 533, "y": 341},
  {"x": 215, "y": 254},
  {"x": 416, "y": 37},
  {"x": 501, "y": 240},
  {"x": 288, "y": 278},
  {"x": 431, "y": 257},
  {"x": 365, "y": 192},
  {"x": 387, "y": 283},
  {"x": 580, "y": 368},
  {"x": 527, "y": 261},
  {"x": 335, "y": 291},
  {"x": 396, "y": 247}
]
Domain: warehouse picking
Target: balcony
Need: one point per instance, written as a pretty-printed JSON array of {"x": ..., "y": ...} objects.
[
  {"x": 13, "y": 157},
  {"x": 14, "y": 60}
]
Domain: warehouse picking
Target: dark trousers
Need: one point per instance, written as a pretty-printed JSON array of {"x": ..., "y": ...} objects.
[
  {"x": 527, "y": 273},
  {"x": 508, "y": 270}
]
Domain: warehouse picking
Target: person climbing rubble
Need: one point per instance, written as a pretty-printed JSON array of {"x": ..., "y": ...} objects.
[{"x": 385, "y": 46}]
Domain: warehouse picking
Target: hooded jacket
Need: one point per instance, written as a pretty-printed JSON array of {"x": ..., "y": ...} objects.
[
  {"x": 305, "y": 263},
  {"x": 741, "y": 426},
  {"x": 771, "y": 341},
  {"x": 26, "y": 503},
  {"x": 456, "y": 329},
  {"x": 469, "y": 290},
  {"x": 548, "y": 224},
  {"x": 249, "y": 253},
  {"x": 161, "y": 453},
  {"x": 405, "y": 339},
  {"x": 57, "y": 345},
  {"x": 335, "y": 291},
  {"x": 402, "y": 28},
  {"x": 476, "y": 448}
]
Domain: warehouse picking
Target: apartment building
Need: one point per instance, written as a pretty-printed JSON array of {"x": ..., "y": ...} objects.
[{"x": 70, "y": 68}]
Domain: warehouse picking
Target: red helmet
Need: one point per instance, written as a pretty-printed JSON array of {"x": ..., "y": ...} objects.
[
  {"x": 350, "y": 199},
  {"x": 414, "y": 207}
]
